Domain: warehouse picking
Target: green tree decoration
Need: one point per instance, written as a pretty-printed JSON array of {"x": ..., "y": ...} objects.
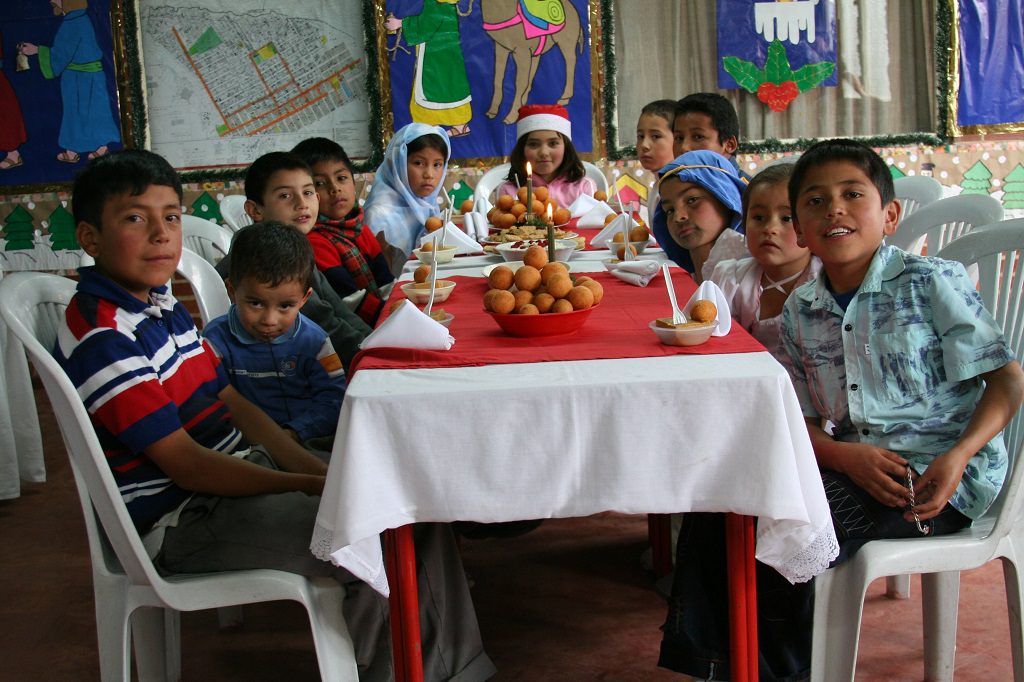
[
  {"x": 62, "y": 230},
  {"x": 895, "y": 172},
  {"x": 460, "y": 192},
  {"x": 207, "y": 207},
  {"x": 1013, "y": 188},
  {"x": 976, "y": 179},
  {"x": 777, "y": 84},
  {"x": 19, "y": 230}
]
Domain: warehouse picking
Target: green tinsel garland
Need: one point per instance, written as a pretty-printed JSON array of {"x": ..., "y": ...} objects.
[
  {"x": 136, "y": 96},
  {"x": 943, "y": 44},
  {"x": 609, "y": 92}
]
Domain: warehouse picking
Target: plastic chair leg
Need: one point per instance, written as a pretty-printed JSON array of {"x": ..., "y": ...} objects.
[
  {"x": 149, "y": 637},
  {"x": 1015, "y": 609},
  {"x": 897, "y": 587},
  {"x": 112, "y": 631},
  {"x": 172, "y": 644},
  {"x": 838, "y": 609},
  {"x": 334, "y": 650},
  {"x": 940, "y": 600}
]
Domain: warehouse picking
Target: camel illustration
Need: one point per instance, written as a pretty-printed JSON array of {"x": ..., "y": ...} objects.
[{"x": 511, "y": 30}]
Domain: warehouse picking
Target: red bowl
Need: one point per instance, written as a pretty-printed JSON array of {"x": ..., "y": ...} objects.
[{"x": 548, "y": 324}]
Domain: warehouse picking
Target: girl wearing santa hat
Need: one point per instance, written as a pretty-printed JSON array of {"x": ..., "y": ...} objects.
[{"x": 545, "y": 140}]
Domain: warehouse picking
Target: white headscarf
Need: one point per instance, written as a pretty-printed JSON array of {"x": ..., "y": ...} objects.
[{"x": 392, "y": 207}]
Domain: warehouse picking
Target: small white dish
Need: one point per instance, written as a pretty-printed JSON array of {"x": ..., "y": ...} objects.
[
  {"x": 516, "y": 251},
  {"x": 420, "y": 295},
  {"x": 444, "y": 255},
  {"x": 684, "y": 336}
]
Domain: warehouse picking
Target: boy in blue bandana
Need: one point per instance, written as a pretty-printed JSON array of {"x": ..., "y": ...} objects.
[{"x": 698, "y": 221}]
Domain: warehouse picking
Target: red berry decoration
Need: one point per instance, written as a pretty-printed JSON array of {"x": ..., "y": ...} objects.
[{"x": 777, "y": 97}]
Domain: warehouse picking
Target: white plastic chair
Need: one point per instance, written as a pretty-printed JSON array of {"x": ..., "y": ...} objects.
[
  {"x": 492, "y": 179},
  {"x": 207, "y": 284},
  {"x": 915, "y": 191},
  {"x": 839, "y": 592},
  {"x": 942, "y": 221},
  {"x": 131, "y": 597},
  {"x": 232, "y": 210},
  {"x": 208, "y": 239}
]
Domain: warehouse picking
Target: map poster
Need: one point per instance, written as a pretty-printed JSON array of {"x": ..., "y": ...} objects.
[
  {"x": 58, "y": 89},
  {"x": 468, "y": 65},
  {"x": 230, "y": 80}
]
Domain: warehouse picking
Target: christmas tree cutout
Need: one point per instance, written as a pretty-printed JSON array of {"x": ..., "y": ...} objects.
[
  {"x": 207, "y": 207},
  {"x": 896, "y": 172},
  {"x": 1013, "y": 188},
  {"x": 62, "y": 230},
  {"x": 19, "y": 230},
  {"x": 976, "y": 179},
  {"x": 460, "y": 192}
]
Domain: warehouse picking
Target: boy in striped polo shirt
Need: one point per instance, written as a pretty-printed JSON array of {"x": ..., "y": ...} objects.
[{"x": 177, "y": 435}]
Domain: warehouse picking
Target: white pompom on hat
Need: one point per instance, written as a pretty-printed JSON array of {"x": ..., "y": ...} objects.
[{"x": 543, "y": 117}]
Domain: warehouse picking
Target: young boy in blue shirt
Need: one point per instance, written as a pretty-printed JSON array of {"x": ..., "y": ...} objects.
[
  {"x": 276, "y": 357},
  {"x": 899, "y": 353},
  {"x": 179, "y": 438}
]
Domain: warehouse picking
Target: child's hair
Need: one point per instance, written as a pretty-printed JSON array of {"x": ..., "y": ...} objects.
[
  {"x": 770, "y": 176},
  {"x": 314, "y": 150},
  {"x": 129, "y": 171},
  {"x": 717, "y": 108},
  {"x": 272, "y": 252},
  {"x": 665, "y": 108},
  {"x": 430, "y": 141},
  {"x": 571, "y": 169},
  {"x": 258, "y": 174},
  {"x": 842, "y": 149}
]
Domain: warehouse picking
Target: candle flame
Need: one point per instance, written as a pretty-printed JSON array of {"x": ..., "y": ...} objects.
[
  {"x": 529, "y": 169},
  {"x": 549, "y": 213}
]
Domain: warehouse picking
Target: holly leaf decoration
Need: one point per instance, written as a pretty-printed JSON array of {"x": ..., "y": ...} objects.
[
  {"x": 776, "y": 64},
  {"x": 810, "y": 75},
  {"x": 746, "y": 74}
]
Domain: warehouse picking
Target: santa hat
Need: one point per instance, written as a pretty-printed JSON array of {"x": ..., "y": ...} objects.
[{"x": 543, "y": 117}]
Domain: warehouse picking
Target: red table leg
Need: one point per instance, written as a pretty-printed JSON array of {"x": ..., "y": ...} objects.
[
  {"x": 659, "y": 534},
  {"x": 400, "y": 553},
  {"x": 739, "y": 539}
]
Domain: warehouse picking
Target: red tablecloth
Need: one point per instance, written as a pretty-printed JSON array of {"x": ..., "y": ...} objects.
[{"x": 618, "y": 328}]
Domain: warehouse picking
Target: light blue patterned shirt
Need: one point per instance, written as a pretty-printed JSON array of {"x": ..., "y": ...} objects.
[{"x": 900, "y": 369}]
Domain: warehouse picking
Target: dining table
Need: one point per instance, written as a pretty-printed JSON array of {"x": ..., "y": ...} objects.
[{"x": 501, "y": 428}]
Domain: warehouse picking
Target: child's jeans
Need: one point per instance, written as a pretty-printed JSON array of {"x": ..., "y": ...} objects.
[{"x": 696, "y": 639}]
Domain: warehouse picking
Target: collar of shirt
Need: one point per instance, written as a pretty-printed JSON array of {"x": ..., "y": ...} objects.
[
  {"x": 91, "y": 281},
  {"x": 243, "y": 336}
]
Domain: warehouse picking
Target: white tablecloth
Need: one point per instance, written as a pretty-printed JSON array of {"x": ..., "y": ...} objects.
[
  {"x": 565, "y": 439},
  {"x": 21, "y": 446}
]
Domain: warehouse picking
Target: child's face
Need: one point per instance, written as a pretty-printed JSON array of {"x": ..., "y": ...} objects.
[
  {"x": 335, "y": 188},
  {"x": 771, "y": 238},
  {"x": 425, "y": 169},
  {"x": 654, "y": 142},
  {"x": 841, "y": 219},
  {"x": 138, "y": 241},
  {"x": 694, "y": 130},
  {"x": 695, "y": 217},
  {"x": 266, "y": 312},
  {"x": 289, "y": 198},
  {"x": 544, "y": 150}
]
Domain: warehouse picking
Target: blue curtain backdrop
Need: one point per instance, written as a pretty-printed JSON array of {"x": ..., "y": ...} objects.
[
  {"x": 491, "y": 136},
  {"x": 991, "y": 62},
  {"x": 738, "y": 37}
]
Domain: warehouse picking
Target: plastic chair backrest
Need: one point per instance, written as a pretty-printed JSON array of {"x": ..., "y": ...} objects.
[
  {"x": 32, "y": 304},
  {"x": 998, "y": 249},
  {"x": 915, "y": 191},
  {"x": 207, "y": 284},
  {"x": 598, "y": 176},
  {"x": 489, "y": 182},
  {"x": 232, "y": 209},
  {"x": 942, "y": 221},
  {"x": 208, "y": 239}
]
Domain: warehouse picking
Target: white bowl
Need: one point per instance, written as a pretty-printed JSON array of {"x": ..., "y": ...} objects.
[
  {"x": 444, "y": 255},
  {"x": 684, "y": 336},
  {"x": 614, "y": 246},
  {"x": 447, "y": 319},
  {"x": 513, "y": 251},
  {"x": 419, "y": 296}
]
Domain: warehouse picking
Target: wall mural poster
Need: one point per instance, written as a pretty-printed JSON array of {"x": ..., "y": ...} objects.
[
  {"x": 58, "y": 92},
  {"x": 776, "y": 50},
  {"x": 990, "y": 65},
  {"x": 468, "y": 65}
]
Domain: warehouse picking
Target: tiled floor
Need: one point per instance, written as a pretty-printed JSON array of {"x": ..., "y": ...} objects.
[{"x": 568, "y": 601}]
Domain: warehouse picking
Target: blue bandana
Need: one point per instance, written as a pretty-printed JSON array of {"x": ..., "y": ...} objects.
[{"x": 714, "y": 173}]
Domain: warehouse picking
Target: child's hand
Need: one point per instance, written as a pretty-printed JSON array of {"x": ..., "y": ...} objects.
[
  {"x": 879, "y": 472},
  {"x": 935, "y": 486}
]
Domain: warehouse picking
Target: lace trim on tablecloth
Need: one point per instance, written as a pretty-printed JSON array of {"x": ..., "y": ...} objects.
[
  {"x": 321, "y": 543},
  {"x": 814, "y": 558}
]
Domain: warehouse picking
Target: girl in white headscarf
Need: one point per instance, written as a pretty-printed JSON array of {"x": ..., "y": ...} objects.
[{"x": 405, "y": 189}]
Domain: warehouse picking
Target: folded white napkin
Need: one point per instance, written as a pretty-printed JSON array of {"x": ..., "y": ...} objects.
[
  {"x": 476, "y": 224},
  {"x": 595, "y": 216},
  {"x": 636, "y": 272},
  {"x": 482, "y": 205},
  {"x": 409, "y": 327},
  {"x": 453, "y": 236},
  {"x": 710, "y": 291}
]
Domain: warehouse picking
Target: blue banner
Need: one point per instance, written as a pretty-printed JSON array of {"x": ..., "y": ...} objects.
[
  {"x": 442, "y": 67},
  {"x": 806, "y": 30},
  {"x": 991, "y": 62}
]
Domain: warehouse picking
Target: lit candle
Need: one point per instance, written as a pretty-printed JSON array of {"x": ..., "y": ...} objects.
[
  {"x": 551, "y": 236},
  {"x": 529, "y": 191}
]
